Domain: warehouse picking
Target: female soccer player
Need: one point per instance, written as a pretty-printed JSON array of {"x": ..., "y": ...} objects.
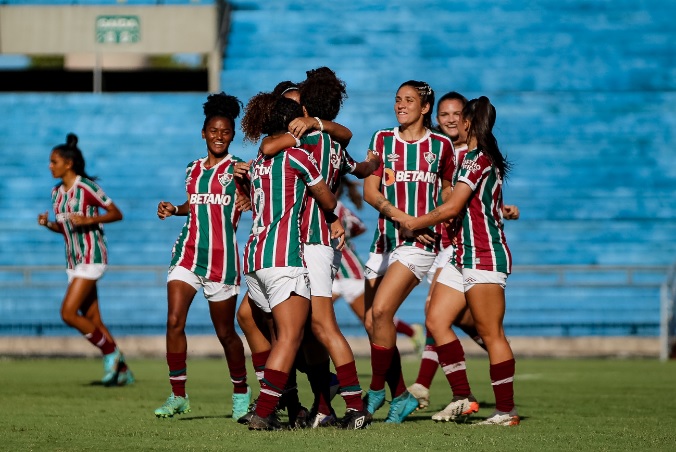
[
  {"x": 449, "y": 112},
  {"x": 478, "y": 275},
  {"x": 76, "y": 201},
  {"x": 274, "y": 268},
  {"x": 205, "y": 255},
  {"x": 413, "y": 158}
]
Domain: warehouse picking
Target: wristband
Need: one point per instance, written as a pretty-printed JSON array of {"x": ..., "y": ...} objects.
[
  {"x": 295, "y": 138},
  {"x": 321, "y": 125},
  {"x": 175, "y": 210}
]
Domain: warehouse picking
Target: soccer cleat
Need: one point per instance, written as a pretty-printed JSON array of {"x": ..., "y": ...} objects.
[
  {"x": 265, "y": 423},
  {"x": 299, "y": 417},
  {"x": 418, "y": 338},
  {"x": 355, "y": 419},
  {"x": 249, "y": 414},
  {"x": 125, "y": 378},
  {"x": 374, "y": 400},
  {"x": 173, "y": 405},
  {"x": 421, "y": 393},
  {"x": 111, "y": 367},
  {"x": 240, "y": 404},
  {"x": 322, "y": 420},
  {"x": 506, "y": 418},
  {"x": 461, "y": 407},
  {"x": 401, "y": 407}
]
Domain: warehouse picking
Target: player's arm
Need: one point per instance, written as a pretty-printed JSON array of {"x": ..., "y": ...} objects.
[
  {"x": 450, "y": 209},
  {"x": 364, "y": 169},
  {"x": 376, "y": 199},
  {"x": 112, "y": 214},
  {"x": 43, "y": 220},
  {"x": 166, "y": 209},
  {"x": 274, "y": 144},
  {"x": 300, "y": 126}
]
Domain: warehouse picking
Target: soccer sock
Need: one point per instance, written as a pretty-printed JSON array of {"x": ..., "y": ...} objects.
[
  {"x": 394, "y": 376},
  {"x": 349, "y": 386},
  {"x": 502, "y": 379},
  {"x": 290, "y": 396},
  {"x": 452, "y": 361},
  {"x": 319, "y": 376},
  {"x": 177, "y": 372},
  {"x": 381, "y": 358},
  {"x": 97, "y": 338},
  {"x": 429, "y": 363},
  {"x": 272, "y": 385},
  {"x": 259, "y": 360},
  {"x": 238, "y": 376},
  {"x": 403, "y": 327}
]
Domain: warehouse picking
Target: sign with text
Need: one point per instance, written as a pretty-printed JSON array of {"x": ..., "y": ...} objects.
[{"x": 118, "y": 29}]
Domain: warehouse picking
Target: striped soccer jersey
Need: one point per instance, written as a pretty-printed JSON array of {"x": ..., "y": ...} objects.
[
  {"x": 207, "y": 245},
  {"x": 333, "y": 162},
  {"x": 481, "y": 242},
  {"x": 409, "y": 175},
  {"x": 84, "y": 244},
  {"x": 278, "y": 196},
  {"x": 447, "y": 231},
  {"x": 351, "y": 267}
]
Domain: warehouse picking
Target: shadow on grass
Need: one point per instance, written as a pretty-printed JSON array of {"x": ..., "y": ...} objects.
[{"x": 199, "y": 418}]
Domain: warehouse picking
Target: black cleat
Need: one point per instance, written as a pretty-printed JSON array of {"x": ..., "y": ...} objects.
[
  {"x": 265, "y": 423},
  {"x": 355, "y": 419}
]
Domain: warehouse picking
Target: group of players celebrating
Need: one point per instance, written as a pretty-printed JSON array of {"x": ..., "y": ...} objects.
[{"x": 439, "y": 197}]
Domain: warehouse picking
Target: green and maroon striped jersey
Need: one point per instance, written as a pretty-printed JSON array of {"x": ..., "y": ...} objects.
[
  {"x": 84, "y": 244},
  {"x": 446, "y": 230},
  {"x": 351, "y": 267},
  {"x": 481, "y": 242},
  {"x": 207, "y": 245},
  {"x": 278, "y": 196},
  {"x": 333, "y": 162},
  {"x": 409, "y": 175}
]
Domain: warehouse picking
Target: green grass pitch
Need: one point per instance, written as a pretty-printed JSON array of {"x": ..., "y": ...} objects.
[{"x": 566, "y": 405}]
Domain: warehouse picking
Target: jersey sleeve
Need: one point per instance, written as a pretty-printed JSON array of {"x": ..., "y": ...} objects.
[
  {"x": 376, "y": 147},
  {"x": 306, "y": 166},
  {"x": 449, "y": 162},
  {"x": 348, "y": 164},
  {"x": 474, "y": 168},
  {"x": 95, "y": 196}
]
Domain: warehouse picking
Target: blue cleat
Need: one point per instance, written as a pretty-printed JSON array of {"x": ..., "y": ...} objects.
[
  {"x": 401, "y": 407},
  {"x": 374, "y": 400},
  {"x": 111, "y": 367},
  {"x": 240, "y": 404}
]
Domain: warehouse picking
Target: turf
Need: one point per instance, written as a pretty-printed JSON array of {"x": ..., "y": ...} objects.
[{"x": 580, "y": 405}]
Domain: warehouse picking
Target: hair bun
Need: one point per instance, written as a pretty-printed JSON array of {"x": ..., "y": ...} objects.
[{"x": 71, "y": 140}]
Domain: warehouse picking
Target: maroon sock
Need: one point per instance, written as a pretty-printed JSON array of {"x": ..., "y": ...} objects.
[
  {"x": 502, "y": 379},
  {"x": 452, "y": 361},
  {"x": 258, "y": 360},
  {"x": 272, "y": 386},
  {"x": 429, "y": 363},
  {"x": 381, "y": 358},
  {"x": 394, "y": 376},
  {"x": 177, "y": 372},
  {"x": 403, "y": 327},
  {"x": 238, "y": 376},
  {"x": 350, "y": 389},
  {"x": 97, "y": 338}
]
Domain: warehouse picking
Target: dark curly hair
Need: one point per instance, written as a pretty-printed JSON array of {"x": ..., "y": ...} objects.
[
  {"x": 284, "y": 87},
  {"x": 70, "y": 151},
  {"x": 267, "y": 114},
  {"x": 322, "y": 93},
  {"x": 221, "y": 105}
]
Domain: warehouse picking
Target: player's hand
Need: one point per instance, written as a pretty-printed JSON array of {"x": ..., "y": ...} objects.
[
  {"x": 165, "y": 209},
  {"x": 510, "y": 212},
  {"x": 241, "y": 169},
  {"x": 299, "y": 126},
  {"x": 424, "y": 236},
  {"x": 338, "y": 232},
  {"x": 43, "y": 219},
  {"x": 78, "y": 220}
]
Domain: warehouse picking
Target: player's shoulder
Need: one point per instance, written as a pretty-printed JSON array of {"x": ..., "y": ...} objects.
[{"x": 441, "y": 137}]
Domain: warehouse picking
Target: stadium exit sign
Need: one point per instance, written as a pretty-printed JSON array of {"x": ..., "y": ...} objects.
[{"x": 118, "y": 29}]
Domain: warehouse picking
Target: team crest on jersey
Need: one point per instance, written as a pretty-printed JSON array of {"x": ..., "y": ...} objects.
[
  {"x": 335, "y": 160},
  {"x": 430, "y": 157},
  {"x": 225, "y": 179},
  {"x": 72, "y": 204}
]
